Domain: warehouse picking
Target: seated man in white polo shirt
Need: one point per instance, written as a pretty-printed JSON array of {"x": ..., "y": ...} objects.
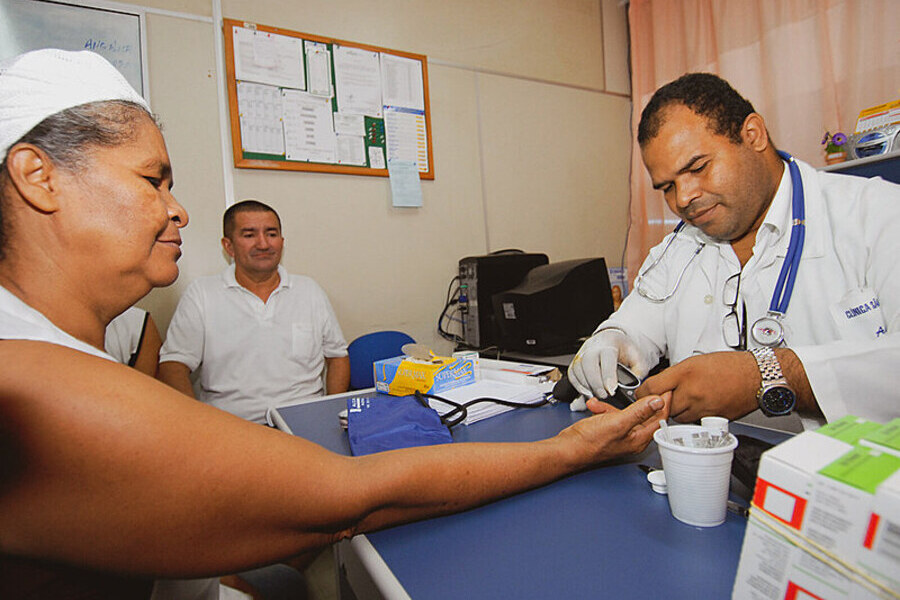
[{"x": 258, "y": 335}]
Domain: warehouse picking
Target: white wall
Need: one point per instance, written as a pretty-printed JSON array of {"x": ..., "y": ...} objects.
[{"x": 531, "y": 139}]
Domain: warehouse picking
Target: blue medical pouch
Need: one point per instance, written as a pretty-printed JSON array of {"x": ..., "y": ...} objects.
[{"x": 384, "y": 422}]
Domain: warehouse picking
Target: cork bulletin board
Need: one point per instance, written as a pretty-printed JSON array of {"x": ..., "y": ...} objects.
[{"x": 304, "y": 102}]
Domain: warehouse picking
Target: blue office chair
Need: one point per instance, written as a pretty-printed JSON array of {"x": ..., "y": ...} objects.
[{"x": 371, "y": 347}]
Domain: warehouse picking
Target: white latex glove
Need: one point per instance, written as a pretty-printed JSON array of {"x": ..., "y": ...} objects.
[
  {"x": 579, "y": 404},
  {"x": 593, "y": 370}
]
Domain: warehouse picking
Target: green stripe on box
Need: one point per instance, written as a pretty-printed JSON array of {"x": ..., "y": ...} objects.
[
  {"x": 849, "y": 429},
  {"x": 888, "y": 435},
  {"x": 862, "y": 468}
]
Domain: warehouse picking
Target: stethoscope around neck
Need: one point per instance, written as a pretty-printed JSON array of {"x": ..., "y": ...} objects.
[{"x": 767, "y": 330}]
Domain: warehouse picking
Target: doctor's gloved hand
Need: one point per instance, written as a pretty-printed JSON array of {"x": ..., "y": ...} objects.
[{"x": 593, "y": 370}]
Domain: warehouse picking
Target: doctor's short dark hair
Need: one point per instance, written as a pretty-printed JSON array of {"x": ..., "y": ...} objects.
[
  {"x": 707, "y": 95},
  {"x": 242, "y": 207}
]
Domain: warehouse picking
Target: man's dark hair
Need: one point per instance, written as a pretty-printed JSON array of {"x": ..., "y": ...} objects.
[
  {"x": 242, "y": 207},
  {"x": 705, "y": 94},
  {"x": 66, "y": 135}
]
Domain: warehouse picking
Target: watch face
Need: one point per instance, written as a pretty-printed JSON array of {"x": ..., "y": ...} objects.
[{"x": 777, "y": 400}]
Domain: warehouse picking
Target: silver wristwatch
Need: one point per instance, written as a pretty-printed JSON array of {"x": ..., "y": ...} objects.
[{"x": 775, "y": 396}]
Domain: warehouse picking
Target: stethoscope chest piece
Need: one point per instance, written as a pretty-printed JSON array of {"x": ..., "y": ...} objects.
[{"x": 768, "y": 330}]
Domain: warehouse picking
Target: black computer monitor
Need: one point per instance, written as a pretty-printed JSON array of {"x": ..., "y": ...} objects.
[{"x": 554, "y": 307}]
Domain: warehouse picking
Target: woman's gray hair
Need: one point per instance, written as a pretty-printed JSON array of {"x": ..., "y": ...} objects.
[{"x": 66, "y": 135}]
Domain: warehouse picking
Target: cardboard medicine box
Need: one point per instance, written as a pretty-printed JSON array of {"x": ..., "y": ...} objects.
[
  {"x": 879, "y": 556},
  {"x": 886, "y": 438},
  {"x": 813, "y": 505},
  {"x": 402, "y": 375},
  {"x": 880, "y": 552}
]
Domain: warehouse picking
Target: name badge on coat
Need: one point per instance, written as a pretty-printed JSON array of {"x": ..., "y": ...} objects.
[{"x": 858, "y": 315}]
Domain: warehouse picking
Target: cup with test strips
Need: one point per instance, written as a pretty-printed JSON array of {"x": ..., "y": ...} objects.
[{"x": 697, "y": 463}]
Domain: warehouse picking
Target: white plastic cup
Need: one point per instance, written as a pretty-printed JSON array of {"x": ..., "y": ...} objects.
[{"x": 697, "y": 478}]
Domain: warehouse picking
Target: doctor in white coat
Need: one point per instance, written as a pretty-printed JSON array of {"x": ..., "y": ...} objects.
[{"x": 781, "y": 289}]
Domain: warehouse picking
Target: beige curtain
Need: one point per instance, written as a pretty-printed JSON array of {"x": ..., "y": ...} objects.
[{"x": 806, "y": 65}]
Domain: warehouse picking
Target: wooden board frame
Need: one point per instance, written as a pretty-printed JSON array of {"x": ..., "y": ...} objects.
[{"x": 241, "y": 161}]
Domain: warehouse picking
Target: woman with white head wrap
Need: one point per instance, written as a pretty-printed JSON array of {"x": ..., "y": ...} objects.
[{"x": 105, "y": 470}]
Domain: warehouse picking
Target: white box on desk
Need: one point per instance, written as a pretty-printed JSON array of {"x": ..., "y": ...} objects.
[
  {"x": 816, "y": 487},
  {"x": 880, "y": 553},
  {"x": 886, "y": 437},
  {"x": 784, "y": 488}
]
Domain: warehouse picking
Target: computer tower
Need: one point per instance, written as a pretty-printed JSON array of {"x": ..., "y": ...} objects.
[
  {"x": 554, "y": 306},
  {"x": 480, "y": 278}
]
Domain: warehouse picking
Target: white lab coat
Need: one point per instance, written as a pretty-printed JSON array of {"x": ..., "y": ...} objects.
[{"x": 843, "y": 320}]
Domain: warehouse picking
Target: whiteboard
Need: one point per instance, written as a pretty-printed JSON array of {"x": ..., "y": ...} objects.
[{"x": 113, "y": 32}]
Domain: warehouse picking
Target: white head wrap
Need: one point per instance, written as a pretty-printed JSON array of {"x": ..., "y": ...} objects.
[{"x": 38, "y": 84}]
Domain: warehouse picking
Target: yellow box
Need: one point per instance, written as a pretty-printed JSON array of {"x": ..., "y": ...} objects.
[
  {"x": 878, "y": 116},
  {"x": 402, "y": 375}
]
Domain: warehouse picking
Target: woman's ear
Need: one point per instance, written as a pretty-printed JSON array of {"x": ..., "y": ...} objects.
[{"x": 34, "y": 176}]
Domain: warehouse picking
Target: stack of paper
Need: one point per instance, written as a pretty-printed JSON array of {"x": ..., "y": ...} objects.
[
  {"x": 513, "y": 372},
  {"x": 526, "y": 393}
]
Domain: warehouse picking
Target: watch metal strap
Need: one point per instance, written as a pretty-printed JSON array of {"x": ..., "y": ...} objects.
[{"x": 769, "y": 367}]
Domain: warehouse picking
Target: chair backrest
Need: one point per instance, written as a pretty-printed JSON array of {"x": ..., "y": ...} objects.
[{"x": 371, "y": 347}]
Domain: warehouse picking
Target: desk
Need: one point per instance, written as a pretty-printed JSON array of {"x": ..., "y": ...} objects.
[{"x": 599, "y": 534}]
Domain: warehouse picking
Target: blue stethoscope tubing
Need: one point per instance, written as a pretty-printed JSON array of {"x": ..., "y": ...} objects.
[
  {"x": 768, "y": 330},
  {"x": 784, "y": 287}
]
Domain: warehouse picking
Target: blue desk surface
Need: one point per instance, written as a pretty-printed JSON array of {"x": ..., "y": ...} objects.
[{"x": 599, "y": 534}]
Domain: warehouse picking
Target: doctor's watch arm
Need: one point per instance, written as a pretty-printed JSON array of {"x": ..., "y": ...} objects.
[
  {"x": 781, "y": 368},
  {"x": 731, "y": 385}
]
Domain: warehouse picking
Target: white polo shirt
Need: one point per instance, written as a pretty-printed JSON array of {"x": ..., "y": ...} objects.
[{"x": 254, "y": 354}]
